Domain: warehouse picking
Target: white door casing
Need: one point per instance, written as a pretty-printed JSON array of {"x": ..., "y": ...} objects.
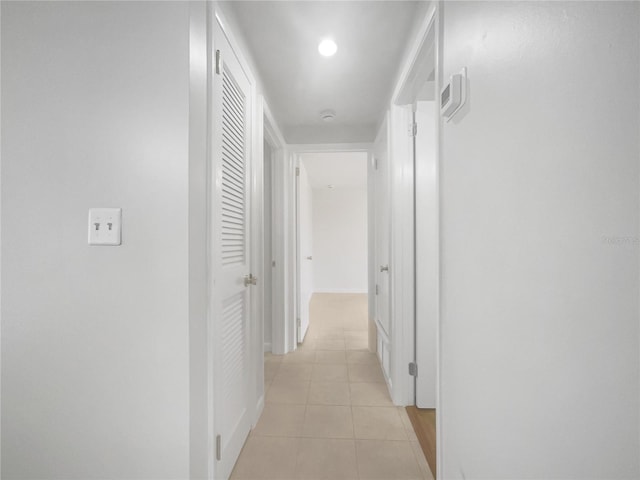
[
  {"x": 231, "y": 234},
  {"x": 427, "y": 253},
  {"x": 305, "y": 250},
  {"x": 402, "y": 258},
  {"x": 419, "y": 68},
  {"x": 268, "y": 260},
  {"x": 282, "y": 295}
]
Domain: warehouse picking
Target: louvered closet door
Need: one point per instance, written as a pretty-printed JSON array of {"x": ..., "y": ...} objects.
[{"x": 231, "y": 144}]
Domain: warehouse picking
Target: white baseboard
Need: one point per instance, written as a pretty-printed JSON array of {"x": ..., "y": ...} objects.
[{"x": 258, "y": 411}]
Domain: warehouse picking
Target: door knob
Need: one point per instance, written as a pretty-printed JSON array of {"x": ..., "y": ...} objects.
[
  {"x": 250, "y": 280},
  {"x": 384, "y": 268}
]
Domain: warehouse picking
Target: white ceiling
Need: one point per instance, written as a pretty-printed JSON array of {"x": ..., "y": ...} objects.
[
  {"x": 341, "y": 170},
  {"x": 356, "y": 82}
]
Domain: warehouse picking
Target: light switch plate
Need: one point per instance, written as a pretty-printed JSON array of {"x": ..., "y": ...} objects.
[{"x": 105, "y": 226}]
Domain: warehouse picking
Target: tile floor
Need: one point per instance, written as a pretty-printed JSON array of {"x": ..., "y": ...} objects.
[{"x": 328, "y": 414}]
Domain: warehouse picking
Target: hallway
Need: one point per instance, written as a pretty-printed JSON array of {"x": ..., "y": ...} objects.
[{"x": 328, "y": 414}]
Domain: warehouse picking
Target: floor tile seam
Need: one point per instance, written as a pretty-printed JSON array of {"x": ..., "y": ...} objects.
[
  {"x": 384, "y": 440},
  {"x": 297, "y": 473},
  {"x": 307, "y": 437},
  {"x": 346, "y": 382},
  {"x": 408, "y": 426},
  {"x": 381, "y": 382},
  {"x": 295, "y": 383},
  {"x": 310, "y": 437},
  {"x": 380, "y": 406},
  {"x": 293, "y": 380},
  {"x": 287, "y": 379},
  {"x": 353, "y": 422},
  {"x": 288, "y": 404},
  {"x": 357, "y": 460}
]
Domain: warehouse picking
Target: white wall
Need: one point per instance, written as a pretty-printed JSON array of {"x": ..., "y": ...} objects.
[
  {"x": 199, "y": 364},
  {"x": 95, "y": 340},
  {"x": 340, "y": 240},
  {"x": 539, "y": 287}
]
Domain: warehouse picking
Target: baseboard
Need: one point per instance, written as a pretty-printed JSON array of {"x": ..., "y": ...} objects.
[
  {"x": 258, "y": 412},
  {"x": 267, "y": 347}
]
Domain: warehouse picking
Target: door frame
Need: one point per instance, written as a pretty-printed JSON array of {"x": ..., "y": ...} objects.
[
  {"x": 267, "y": 130},
  {"x": 255, "y": 402},
  {"x": 296, "y": 150},
  {"x": 279, "y": 278},
  {"x": 402, "y": 153}
]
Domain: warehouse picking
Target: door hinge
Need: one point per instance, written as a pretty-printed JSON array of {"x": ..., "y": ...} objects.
[
  {"x": 297, "y": 171},
  {"x": 273, "y": 263},
  {"x": 413, "y": 129},
  {"x": 375, "y": 163},
  {"x": 218, "y": 447},
  {"x": 299, "y": 323},
  {"x": 413, "y": 369},
  {"x": 218, "y": 62},
  {"x": 377, "y": 290}
]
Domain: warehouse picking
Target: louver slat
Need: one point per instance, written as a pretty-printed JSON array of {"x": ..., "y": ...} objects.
[
  {"x": 233, "y": 231},
  {"x": 233, "y": 346}
]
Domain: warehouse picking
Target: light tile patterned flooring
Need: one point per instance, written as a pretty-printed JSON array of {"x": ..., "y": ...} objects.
[{"x": 328, "y": 414}]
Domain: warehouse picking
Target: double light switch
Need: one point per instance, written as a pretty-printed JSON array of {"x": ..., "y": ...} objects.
[{"x": 105, "y": 226}]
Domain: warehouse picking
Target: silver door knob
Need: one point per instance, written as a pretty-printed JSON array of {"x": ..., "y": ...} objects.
[
  {"x": 250, "y": 280},
  {"x": 384, "y": 268}
]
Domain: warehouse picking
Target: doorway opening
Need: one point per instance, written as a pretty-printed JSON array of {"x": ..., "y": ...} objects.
[
  {"x": 274, "y": 239},
  {"x": 331, "y": 230},
  {"x": 269, "y": 257},
  {"x": 416, "y": 102}
]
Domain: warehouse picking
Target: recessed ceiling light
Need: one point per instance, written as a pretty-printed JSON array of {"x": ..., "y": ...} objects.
[{"x": 327, "y": 47}]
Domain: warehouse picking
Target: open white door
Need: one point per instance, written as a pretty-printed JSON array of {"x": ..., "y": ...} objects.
[
  {"x": 230, "y": 255},
  {"x": 305, "y": 250},
  {"x": 427, "y": 255},
  {"x": 382, "y": 229}
]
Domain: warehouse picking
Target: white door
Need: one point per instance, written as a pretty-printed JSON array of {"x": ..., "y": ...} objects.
[
  {"x": 382, "y": 231},
  {"x": 230, "y": 236},
  {"x": 305, "y": 250},
  {"x": 268, "y": 267},
  {"x": 427, "y": 272}
]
